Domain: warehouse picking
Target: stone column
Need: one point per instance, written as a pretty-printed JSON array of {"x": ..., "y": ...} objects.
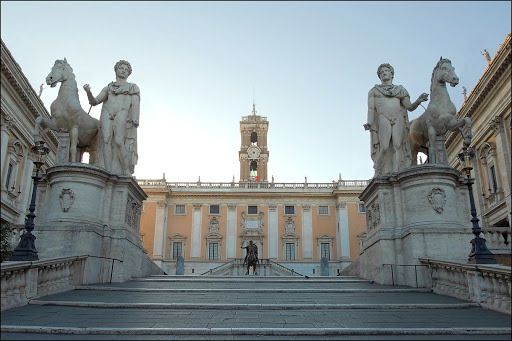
[
  {"x": 503, "y": 148},
  {"x": 231, "y": 232},
  {"x": 160, "y": 231},
  {"x": 344, "y": 236},
  {"x": 273, "y": 236},
  {"x": 7, "y": 124},
  {"x": 195, "y": 240},
  {"x": 307, "y": 233}
]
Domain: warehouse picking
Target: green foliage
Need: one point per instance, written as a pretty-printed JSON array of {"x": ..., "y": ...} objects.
[{"x": 6, "y": 234}]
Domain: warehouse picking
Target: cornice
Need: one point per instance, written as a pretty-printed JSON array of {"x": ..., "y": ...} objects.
[
  {"x": 19, "y": 82},
  {"x": 485, "y": 85}
]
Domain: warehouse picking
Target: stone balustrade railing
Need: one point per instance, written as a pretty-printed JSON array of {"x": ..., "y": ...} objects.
[
  {"x": 497, "y": 239},
  {"x": 488, "y": 285},
  {"x": 176, "y": 186},
  {"x": 22, "y": 281}
]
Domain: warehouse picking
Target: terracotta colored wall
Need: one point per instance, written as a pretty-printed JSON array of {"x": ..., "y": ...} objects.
[
  {"x": 147, "y": 226},
  {"x": 357, "y": 224}
]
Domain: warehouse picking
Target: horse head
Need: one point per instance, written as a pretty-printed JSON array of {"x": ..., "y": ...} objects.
[
  {"x": 61, "y": 71},
  {"x": 444, "y": 72}
]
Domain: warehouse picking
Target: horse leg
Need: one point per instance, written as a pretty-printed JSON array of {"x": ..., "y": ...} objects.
[
  {"x": 455, "y": 124},
  {"x": 432, "y": 144},
  {"x": 73, "y": 142},
  {"x": 45, "y": 122}
]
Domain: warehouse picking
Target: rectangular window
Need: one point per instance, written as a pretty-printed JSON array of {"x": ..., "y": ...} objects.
[
  {"x": 8, "y": 177},
  {"x": 323, "y": 210},
  {"x": 252, "y": 209},
  {"x": 179, "y": 209},
  {"x": 289, "y": 210},
  {"x": 325, "y": 251},
  {"x": 361, "y": 208},
  {"x": 214, "y": 209},
  {"x": 213, "y": 253},
  {"x": 176, "y": 250},
  {"x": 493, "y": 177},
  {"x": 290, "y": 251}
]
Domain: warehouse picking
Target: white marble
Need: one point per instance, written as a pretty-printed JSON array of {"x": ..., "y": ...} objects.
[
  {"x": 85, "y": 210},
  {"x": 388, "y": 123},
  {"x": 422, "y": 212}
]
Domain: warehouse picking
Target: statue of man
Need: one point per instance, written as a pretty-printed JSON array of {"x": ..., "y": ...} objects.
[
  {"x": 486, "y": 56},
  {"x": 252, "y": 249},
  {"x": 118, "y": 121},
  {"x": 465, "y": 92},
  {"x": 388, "y": 123}
]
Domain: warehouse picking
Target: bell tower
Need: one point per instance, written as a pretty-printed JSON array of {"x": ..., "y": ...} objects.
[{"x": 253, "y": 154}]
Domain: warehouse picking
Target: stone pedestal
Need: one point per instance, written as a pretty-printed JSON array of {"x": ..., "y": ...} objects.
[
  {"x": 421, "y": 212},
  {"x": 85, "y": 210},
  {"x": 438, "y": 152}
]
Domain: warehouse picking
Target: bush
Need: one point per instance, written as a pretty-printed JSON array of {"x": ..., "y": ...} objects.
[{"x": 6, "y": 235}]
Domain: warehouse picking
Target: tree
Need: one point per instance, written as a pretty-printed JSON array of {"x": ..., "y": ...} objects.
[{"x": 6, "y": 235}]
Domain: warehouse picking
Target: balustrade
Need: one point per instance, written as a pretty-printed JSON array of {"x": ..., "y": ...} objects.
[
  {"x": 22, "y": 281},
  {"x": 486, "y": 285}
]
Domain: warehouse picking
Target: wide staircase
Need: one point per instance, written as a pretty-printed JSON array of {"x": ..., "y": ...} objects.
[{"x": 251, "y": 308}]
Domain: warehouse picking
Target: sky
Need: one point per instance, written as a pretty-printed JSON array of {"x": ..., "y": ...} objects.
[{"x": 306, "y": 65}]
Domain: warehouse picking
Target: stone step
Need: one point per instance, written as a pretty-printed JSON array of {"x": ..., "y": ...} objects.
[{"x": 248, "y": 308}]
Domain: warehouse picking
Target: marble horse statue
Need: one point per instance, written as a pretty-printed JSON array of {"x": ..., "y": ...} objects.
[
  {"x": 67, "y": 115},
  {"x": 439, "y": 117}
]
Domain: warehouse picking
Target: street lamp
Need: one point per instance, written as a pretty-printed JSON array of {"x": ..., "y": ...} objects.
[
  {"x": 26, "y": 249},
  {"x": 479, "y": 254}
]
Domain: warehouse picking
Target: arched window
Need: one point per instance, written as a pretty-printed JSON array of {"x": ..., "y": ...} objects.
[{"x": 254, "y": 138}]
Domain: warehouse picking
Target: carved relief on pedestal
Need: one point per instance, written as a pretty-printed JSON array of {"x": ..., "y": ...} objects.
[
  {"x": 66, "y": 198},
  {"x": 373, "y": 216},
  {"x": 437, "y": 199},
  {"x": 132, "y": 212}
]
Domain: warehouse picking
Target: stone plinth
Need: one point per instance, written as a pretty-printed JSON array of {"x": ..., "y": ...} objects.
[
  {"x": 85, "y": 210},
  {"x": 421, "y": 212}
]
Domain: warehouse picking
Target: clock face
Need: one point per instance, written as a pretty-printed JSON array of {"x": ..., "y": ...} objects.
[{"x": 253, "y": 152}]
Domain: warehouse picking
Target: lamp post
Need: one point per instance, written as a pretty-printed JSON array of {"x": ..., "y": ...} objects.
[
  {"x": 26, "y": 249},
  {"x": 479, "y": 254}
]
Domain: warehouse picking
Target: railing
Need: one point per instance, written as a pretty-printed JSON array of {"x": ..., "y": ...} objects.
[
  {"x": 340, "y": 184},
  {"x": 22, "y": 281},
  {"x": 405, "y": 266},
  {"x": 219, "y": 268},
  {"x": 240, "y": 262},
  {"x": 488, "y": 285},
  {"x": 284, "y": 268},
  {"x": 497, "y": 238}
]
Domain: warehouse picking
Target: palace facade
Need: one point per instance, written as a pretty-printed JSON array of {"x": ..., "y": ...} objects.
[
  {"x": 294, "y": 224},
  {"x": 20, "y": 106},
  {"x": 488, "y": 106}
]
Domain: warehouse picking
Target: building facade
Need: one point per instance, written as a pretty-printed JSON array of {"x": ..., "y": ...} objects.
[
  {"x": 20, "y": 106},
  {"x": 294, "y": 224},
  {"x": 488, "y": 106}
]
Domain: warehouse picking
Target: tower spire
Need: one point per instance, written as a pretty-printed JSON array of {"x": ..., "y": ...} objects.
[{"x": 253, "y": 103}]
